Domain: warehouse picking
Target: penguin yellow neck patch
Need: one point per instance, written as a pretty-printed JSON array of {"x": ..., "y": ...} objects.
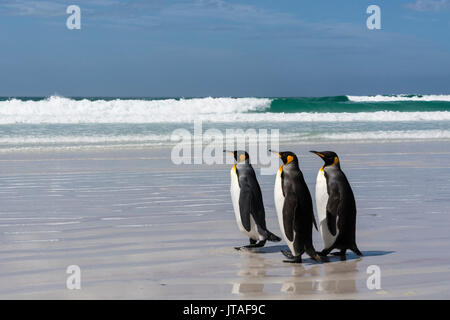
[
  {"x": 336, "y": 161},
  {"x": 289, "y": 159}
]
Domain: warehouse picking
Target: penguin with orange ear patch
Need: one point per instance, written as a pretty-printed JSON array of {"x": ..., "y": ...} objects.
[
  {"x": 248, "y": 202},
  {"x": 336, "y": 206},
  {"x": 294, "y": 208}
]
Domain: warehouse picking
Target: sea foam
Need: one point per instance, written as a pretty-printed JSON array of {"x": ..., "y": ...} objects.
[
  {"x": 400, "y": 97},
  {"x": 59, "y": 110},
  {"x": 390, "y": 135},
  {"x": 64, "y": 110}
]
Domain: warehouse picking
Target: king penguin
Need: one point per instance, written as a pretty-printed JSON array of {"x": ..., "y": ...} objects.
[
  {"x": 336, "y": 207},
  {"x": 248, "y": 202},
  {"x": 294, "y": 208}
]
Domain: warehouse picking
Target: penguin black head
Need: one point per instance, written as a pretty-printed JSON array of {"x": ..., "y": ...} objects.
[
  {"x": 286, "y": 156},
  {"x": 329, "y": 157},
  {"x": 239, "y": 156}
]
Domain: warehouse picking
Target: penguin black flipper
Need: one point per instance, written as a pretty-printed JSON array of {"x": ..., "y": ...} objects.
[
  {"x": 314, "y": 220},
  {"x": 245, "y": 207},
  {"x": 251, "y": 202},
  {"x": 302, "y": 179},
  {"x": 333, "y": 208},
  {"x": 258, "y": 213},
  {"x": 289, "y": 210}
]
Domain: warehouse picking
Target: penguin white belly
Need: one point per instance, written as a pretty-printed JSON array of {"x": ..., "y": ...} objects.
[
  {"x": 321, "y": 203},
  {"x": 279, "y": 203},
  {"x": 235, "y": 193}
]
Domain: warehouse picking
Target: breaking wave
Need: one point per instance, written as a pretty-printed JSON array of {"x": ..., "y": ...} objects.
[{"x": 59, "y": 110}]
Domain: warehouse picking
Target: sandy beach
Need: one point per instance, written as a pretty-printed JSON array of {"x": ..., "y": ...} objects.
[{"x": 140, "y": 227}]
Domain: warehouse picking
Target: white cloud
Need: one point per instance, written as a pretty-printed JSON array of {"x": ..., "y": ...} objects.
[
  {"x": 48, "y": 8},
  {"x": 429, "y": 5},
  {"x": 35, "y": 8}
]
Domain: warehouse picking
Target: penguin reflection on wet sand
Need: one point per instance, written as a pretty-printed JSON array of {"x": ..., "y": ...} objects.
[
  {"x": 294, "y": 208},
  {"x": 248, "y": 203},
  {"x": 336, "y": 207}
]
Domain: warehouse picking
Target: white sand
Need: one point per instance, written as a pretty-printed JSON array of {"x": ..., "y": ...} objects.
[{"x": 140, "y": 227}]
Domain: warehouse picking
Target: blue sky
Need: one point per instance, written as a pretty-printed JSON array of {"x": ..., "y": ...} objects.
[{"x": 224, "y": 48}]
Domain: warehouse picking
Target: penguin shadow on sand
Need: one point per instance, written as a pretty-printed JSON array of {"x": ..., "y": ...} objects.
[
  {"x": 270, "y": 249},
  {"x": 279, "y": 249},
  {"x": 327, "y": 259},
  {"x": 352, "y": 256},
  {"x": 251, "y": 273}
]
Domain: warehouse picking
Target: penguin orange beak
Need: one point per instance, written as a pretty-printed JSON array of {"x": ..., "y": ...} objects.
[
  {"x": 318, "y": 153},
  {"x": 274, "y": 152}
]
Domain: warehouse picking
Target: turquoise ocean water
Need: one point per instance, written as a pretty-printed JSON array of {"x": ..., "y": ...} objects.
[{"x": 37, "y": 123}]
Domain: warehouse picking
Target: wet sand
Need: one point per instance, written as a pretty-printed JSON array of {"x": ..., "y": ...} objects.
[{"x": 140, "y": 227}]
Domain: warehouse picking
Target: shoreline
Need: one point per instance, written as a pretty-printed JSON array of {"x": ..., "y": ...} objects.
[{"x": 163, "y": 147}]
